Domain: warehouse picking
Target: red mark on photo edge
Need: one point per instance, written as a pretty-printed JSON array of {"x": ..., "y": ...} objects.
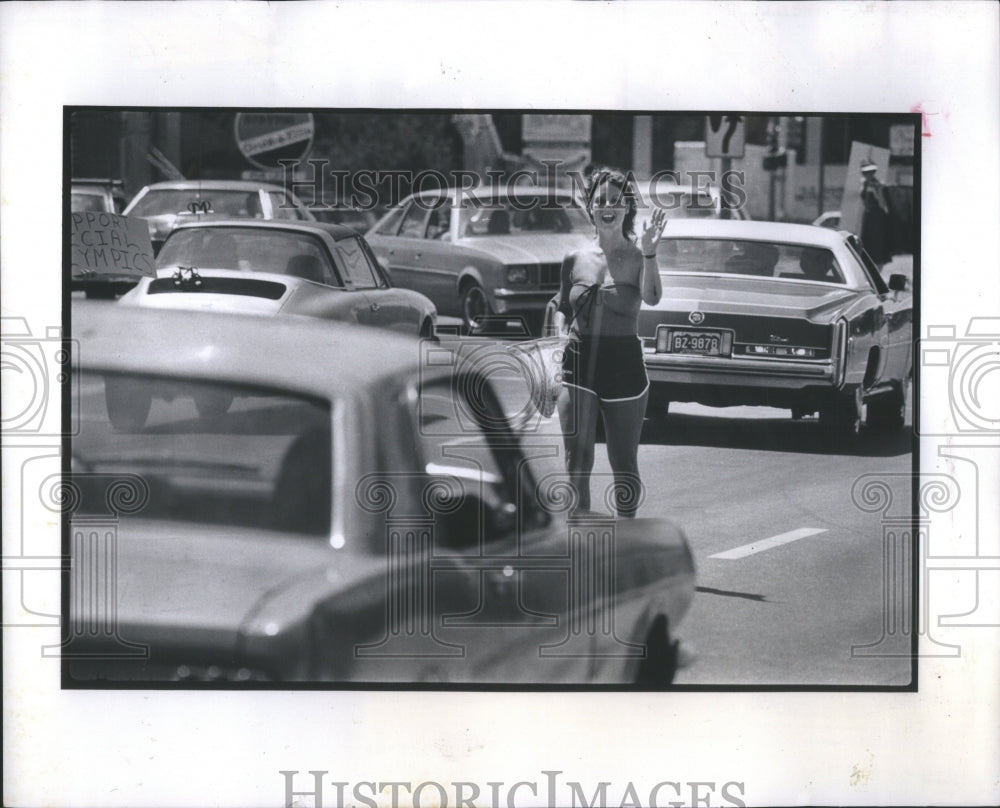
[{"x": 925, "y": 129}]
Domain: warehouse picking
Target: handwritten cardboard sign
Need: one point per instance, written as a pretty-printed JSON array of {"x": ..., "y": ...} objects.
[{"x": 108, "y": 244}]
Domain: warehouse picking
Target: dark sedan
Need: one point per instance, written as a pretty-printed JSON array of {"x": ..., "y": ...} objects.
[{"x": 365, "y": 511}]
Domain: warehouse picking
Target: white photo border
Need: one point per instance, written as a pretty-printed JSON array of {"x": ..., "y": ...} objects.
[{"x": 138, "y": 748}]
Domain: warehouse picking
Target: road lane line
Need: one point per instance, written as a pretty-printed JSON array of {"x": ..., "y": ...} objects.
[{"x": 767, "y": 544}]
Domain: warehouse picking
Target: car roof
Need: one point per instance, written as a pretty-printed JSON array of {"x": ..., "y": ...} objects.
[
  {"x": 754, "y": 231},
  {"x": 306, "y": 355},
  {"x": 213, "y": 185},
  {"x": 335, "y": 231},
  {"x": 489, "y": 192},
  {"x": 106, "y": 182}
]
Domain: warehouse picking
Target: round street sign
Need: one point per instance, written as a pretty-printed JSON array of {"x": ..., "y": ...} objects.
[{"x": 264, "y": 138}]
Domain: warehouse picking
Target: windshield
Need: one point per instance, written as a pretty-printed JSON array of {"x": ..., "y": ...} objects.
[
  {"x": 87, "y": 202},
  {"x": 498, "y": 217},
  {"x": 680, "y": 204},
  {"x": 756, "y": 258},
  {"x": 243, "y": 204},
  {"x": 248, "y": 249},
  {"x": 206, "y": 452}
]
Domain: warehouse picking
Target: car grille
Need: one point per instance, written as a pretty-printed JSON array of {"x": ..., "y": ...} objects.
[{"x": 548, "y": 275}]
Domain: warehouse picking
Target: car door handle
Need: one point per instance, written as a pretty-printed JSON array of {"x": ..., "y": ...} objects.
[
  {"x": 416, "y": 256},
  {"x": 374, "y": 306},
  {"x": 392, "y": 252}
]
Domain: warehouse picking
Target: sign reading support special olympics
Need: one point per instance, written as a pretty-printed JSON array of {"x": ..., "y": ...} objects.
[
  {"x": 264, "y": 138},
  {"x": 105, "y": 244}
]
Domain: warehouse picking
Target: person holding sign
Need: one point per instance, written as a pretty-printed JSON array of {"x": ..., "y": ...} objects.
[
  {"x": 603, "y": 372},
  {"x": 874, "y": 216}
]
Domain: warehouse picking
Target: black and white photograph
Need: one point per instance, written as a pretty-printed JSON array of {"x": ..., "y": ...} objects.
[
  {"x": 399, "y": 396},
  {"x": 507, "y": 399}
]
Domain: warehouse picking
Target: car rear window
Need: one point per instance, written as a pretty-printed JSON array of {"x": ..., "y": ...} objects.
[
  {"x": 243, "y": 204},
  {"x": 498, "y": 217},
  {"x": 249, "y": 249},
  {"x": 203, "y": 452},
  {"x": 87, "y": 202},
  {"x": 678, "y": 204},
  {"x": 753, "y": 258}
]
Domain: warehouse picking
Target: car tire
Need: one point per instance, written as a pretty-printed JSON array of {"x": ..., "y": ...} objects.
[
  {"x": 841, "y": 420},
  {"x": 658, "y": 669},
  {"x": 475, "y": 304},
  {"x": 128, "y": 403},
  {"x": 889, "y": 411},
  {"x": 212, "y": 403}
]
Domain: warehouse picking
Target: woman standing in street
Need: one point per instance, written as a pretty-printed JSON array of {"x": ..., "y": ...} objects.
[{"x": 603, "y": 371}]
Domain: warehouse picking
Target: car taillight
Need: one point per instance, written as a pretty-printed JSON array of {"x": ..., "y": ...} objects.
[
  {"x": 786, "y": 351},
  {"x": 839, "y": 352}
]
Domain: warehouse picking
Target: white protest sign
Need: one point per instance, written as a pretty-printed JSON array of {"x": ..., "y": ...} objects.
[{"x": 106, "y": 244}]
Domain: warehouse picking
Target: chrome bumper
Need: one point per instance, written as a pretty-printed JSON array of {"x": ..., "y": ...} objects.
[
  {"x": 737, "y": 372},
  {"x": 507, "y": 300}
]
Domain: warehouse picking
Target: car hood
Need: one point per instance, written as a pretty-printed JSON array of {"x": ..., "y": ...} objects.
[
  {"x": 542, "y": 249},
  {"x": 753, "y": 296},
  {"x": 204, "y": 582}
]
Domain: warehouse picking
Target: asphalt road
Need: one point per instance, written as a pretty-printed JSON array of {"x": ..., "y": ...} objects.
[
  {"x": 790, "y": 568},
  {"x": 789, "y": 610}
]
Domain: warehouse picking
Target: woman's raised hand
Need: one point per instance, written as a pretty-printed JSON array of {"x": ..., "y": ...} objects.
[{"x": 652, "y": 231}]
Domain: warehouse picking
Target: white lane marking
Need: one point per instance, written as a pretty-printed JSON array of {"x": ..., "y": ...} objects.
[{"x": 767, "y": 544}]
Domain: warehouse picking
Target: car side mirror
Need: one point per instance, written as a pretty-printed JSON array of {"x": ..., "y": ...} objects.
[{"x": 897, "y": 282}]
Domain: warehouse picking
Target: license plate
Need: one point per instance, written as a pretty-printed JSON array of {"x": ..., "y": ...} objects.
[{"x": 702, "y": 343}]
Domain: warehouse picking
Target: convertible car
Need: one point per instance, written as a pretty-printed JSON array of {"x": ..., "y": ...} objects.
[
  {"x": 486, "y": 254},
  {"x": 782, "y": 315},
  {"x": 286, "y": 268},
  {"x": 344, "y": 521}
]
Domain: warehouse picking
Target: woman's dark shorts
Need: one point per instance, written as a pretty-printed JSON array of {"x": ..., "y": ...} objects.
[{"x": 609, "y": 367}]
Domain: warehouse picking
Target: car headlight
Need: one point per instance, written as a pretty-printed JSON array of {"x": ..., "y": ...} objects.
[{"x": 517, "y": 274}]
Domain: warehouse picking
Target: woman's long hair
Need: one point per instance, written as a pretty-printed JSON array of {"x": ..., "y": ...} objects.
[{"x": 610, "y": 176}]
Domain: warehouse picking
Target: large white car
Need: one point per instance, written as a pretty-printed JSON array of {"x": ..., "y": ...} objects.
[{"x": 273, "y": 268}]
